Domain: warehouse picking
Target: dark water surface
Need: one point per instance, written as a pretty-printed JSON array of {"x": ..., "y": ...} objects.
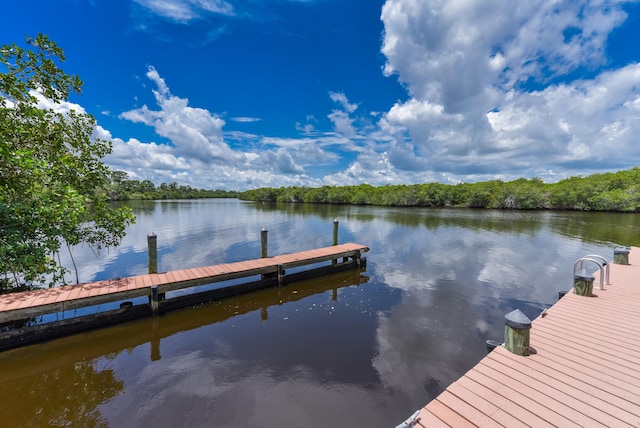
[{"x": 350, "y": 350}]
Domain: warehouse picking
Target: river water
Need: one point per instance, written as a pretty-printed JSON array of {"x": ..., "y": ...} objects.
[{"x": 350, "y": 350}]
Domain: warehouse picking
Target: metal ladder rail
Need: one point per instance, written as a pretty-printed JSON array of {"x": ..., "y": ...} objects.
[{"x": 605, "y": 263}]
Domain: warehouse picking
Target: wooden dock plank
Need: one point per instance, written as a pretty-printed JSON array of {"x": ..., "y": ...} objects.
[
  {"x": 75, "y": 293},
  {"x": 584, "y": 388},
  {"x": 64, "y": 295},
  {"x": 30, "y": 303},
  {"x": 139, "y": 282},
  {"x": 451, "y": 417},
  {"x": 429, "y": 420},
  {"x": 584, "y": 369},
  {"x": 587, "y": 370},
  {"x": 556, "y": 412},
  {"x": 478, "y": 402},
  {"x": 53, "y": 295},
  {"x": 505, "y": 410},
  {"x": 585, "y": 408},
  {"x": 464, "y": 409},
  {"x": 578, "y": 356}
]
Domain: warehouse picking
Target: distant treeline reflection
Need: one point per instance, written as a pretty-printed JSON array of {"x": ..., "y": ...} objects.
[{"x": 615, "y": 192}]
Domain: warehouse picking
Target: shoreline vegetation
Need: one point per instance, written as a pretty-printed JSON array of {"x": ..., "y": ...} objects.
[{"x": 612, "y": 192}]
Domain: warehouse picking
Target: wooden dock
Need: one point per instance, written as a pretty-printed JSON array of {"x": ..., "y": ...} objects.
[
  {"x": 583, "y": 371},
  {"x": 267, "y": 271}
]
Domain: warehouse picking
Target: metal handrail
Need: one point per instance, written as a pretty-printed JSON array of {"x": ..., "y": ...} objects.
[
  {"x": 580, "y": 262},
  {"x": 605, "y": 263}
]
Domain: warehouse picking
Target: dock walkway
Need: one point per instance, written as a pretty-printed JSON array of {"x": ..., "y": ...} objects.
[
  {"x": 17, "y": 306},
  {"x": 584, "y": 368}
]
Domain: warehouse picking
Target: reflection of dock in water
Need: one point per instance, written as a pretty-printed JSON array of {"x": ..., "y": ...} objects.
[
  {"x": 189, "y": 286},
  {"x": 66, "y": 350}
]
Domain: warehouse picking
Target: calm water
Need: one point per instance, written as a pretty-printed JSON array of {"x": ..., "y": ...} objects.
[{"x": 351, "y": 350}]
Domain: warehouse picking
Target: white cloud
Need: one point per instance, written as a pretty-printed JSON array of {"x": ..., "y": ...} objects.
[
  {"x": 341, "y": 98},
  {"x": 467, "y": 65},
  {"x": 342, "y": 123},
  {"x": 198, "y": 154},
  {"x": 243, "y": 119},
  {"x": 195, "y": 132},
  {"x": 492, "y": 94},
  {"x": 183, "y": 11}
]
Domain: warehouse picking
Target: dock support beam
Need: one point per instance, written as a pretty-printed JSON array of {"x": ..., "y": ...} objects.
[
  {"x": 152, "y": 250},
  {"x": 621, "y": 256},
  {"x": 155, "y": 299},
  {"x": 517, "y": 331},
  {"x": 280, "y": 275}
]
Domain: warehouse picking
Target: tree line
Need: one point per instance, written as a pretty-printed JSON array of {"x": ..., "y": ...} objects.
[
  {"x": 614, "y": 192},
  {"x": 121, "y": 188}
]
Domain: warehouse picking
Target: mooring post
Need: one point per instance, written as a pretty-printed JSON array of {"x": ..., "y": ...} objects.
[
  {"x": 517, "y": 330},
  {"x": 152, "y": 250},
  {"x": 583, "y": 283},
  {"x": 263, "y": 239},
  {"x": 621, "y": 256}
]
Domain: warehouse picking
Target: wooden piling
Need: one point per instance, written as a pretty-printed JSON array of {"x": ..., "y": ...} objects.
[
  {"x": 517, "y": 330},
  {"x": 621, "y": 256},
  {"x": 583, "y": 284},
  {"x": 264, "y": 242},
  {"x": 152, "y": 251}
]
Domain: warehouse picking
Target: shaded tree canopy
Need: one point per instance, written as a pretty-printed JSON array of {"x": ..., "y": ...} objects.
[{"x": 52, "y": 177}]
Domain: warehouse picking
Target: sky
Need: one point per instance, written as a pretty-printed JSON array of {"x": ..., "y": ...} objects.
[{"x": 243, "y": 94}]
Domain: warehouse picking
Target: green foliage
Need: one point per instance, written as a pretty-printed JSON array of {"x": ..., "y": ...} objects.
[
  {"x": 619, "y": 192},
  {"x": 121, "y": 188},
  {"x": 50, "y": 170}
]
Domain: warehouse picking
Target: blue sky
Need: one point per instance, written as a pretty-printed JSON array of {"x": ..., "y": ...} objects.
[{"x": 252, "y": 93}]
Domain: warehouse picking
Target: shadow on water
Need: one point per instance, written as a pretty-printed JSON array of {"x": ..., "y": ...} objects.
[
  {"x": 154, "y": 329},
  {"x": 68, "y": 386}
]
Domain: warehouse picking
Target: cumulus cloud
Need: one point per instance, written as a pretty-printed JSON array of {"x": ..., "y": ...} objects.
[
  {"x": 491, "y": 87},
  {"x": 342, "y": 99},
  {"x": 195, "y": 132},
  {"x": 342, "y": 122},
  {"x": 496, "y": 89},
  {"x": 198, "y": 154}
]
